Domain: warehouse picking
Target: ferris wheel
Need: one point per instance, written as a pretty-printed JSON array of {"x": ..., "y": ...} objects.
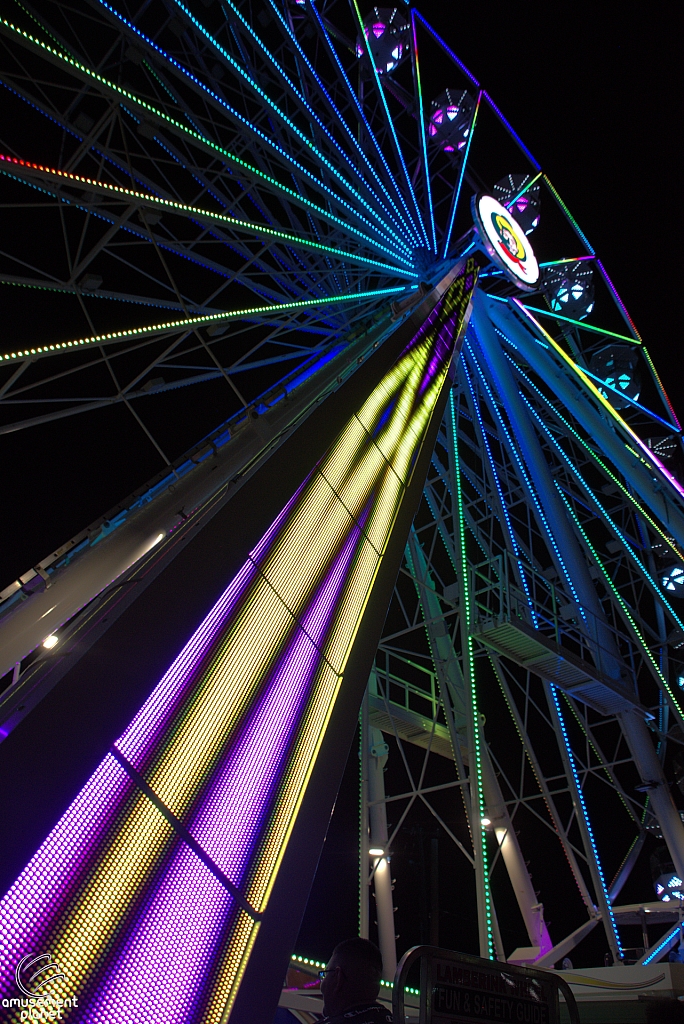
[{"x": 220, "y": 217}]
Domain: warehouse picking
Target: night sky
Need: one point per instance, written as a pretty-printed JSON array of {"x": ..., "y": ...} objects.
[{"x": 591, "y": 90}]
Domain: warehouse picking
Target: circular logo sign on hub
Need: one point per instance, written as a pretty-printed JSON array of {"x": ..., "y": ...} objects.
[{"x": 506, "y": 242}]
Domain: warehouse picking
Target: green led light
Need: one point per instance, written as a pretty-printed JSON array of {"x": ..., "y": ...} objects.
[
  {"x": 522, "y": 192},
  {"x": 390, "y": 122},
  {"x": 608, "y": 582},
  {"x": 216, "y": 149},
  {"x": 174, "y": 207},
  {"x": 302, "y": 99},
  {"x": 581, "y": 323},
  {"x": 570, "y": 217},
  {"x": 198, "y": 321},
  {"x": 608, "y": 519},
  {"x": 616, "y": 480},
  {"x": 477, "y": 791}
]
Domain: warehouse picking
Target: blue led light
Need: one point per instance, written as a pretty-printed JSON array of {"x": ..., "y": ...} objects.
[
  {"x": 302, "y": 99},
  {"x": 250, "y": 126},
  {"x": 461, "y": 173},
  {"x": 483, "y": 434},
  {"x": 585, "y": 814},
  {"x": 390, "y": 122},
  {"x": 662, "y": 945},
  {"x": 355, "y": 100},
  {"x": 212, "y": 146}
]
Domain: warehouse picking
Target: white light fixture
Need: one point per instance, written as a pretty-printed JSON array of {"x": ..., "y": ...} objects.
[
  {"x": 486, "y": 821},
  {"x": 376, "y": 851},
  {"x": 158, "y": 539},
  {"x": 505, "y": 242},
  {"x": 50, "y": 641}
]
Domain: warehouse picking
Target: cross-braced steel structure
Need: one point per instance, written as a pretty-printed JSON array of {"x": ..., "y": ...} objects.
[{"x": 216, "y": 212}]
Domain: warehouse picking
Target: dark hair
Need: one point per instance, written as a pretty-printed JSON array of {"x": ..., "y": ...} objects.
[{"x": 361, "y": 958}]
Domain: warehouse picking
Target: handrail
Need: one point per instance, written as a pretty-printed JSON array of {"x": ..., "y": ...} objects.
[{"x": 544, "y": 982}]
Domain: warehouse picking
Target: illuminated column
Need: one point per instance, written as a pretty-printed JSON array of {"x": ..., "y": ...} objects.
[
  {"x": 157, "y": 883},
  {"x": 378, "y": 851}
]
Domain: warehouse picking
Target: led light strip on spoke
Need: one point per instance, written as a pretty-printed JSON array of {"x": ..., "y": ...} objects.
[
  {"x": 300, "y": 96},
  {"x": 104, "y": 187},
  {"x": 476, "y": 782},
  {"x": 150, "y": 889},
  {"x": 191, "y": 321},
  {"x": 266, "y": 139},
  {"x": 187, "y": 133},
  {"x": 644, "y": 451}
]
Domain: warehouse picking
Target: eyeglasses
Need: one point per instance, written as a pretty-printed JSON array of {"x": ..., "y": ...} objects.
[{"x": 327, "y": 970}]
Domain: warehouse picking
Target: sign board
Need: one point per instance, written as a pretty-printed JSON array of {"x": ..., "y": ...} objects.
[
  {"x": 505, "y": 242},
  {"x": 456, "y": 988}
]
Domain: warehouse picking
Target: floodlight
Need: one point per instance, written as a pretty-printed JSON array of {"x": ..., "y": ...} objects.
[
  {"x": 522, "y": 199},
  {"x": 569, "y": 289},
  {"x": 386, "y": 33},
  {"x": 450, "y": 120},
  {"x": 617, "y": 366}
]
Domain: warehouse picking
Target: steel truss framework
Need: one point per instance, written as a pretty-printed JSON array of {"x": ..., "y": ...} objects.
[{"x": 200, "y": 196}]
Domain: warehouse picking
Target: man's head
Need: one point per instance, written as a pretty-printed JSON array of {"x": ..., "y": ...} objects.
[{"x": 352, "y": 976}]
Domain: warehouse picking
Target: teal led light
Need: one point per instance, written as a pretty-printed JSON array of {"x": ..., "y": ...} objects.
[
  {"x": 592, "y": 494},
  {"x": 197, "y": 137},
  {"x": 495, "y": 475},
  {"x": 421, "y": 119},
  {"x": 347, "y": 130},
  {"x": 540, "y": 512},
  {"x": 355, "y": 100},
  {"x": 608, "y": 582},
  {"x": 476, "y": 791},
  {"x": 192, "y": 321},
  {"x": 390, "y": 122},
  {"x": 250, "y": 126},
  {"x": 459, "y": 185},
  {"x": 585, "y": 814},
  {"x": 662, "y": 946},
  {"x": 626, "y": 494},
  {"x": 300, "y": 95}
]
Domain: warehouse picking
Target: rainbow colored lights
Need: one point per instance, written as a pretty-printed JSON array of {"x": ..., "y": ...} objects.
[
  {"x": 116, "y": 191},
  {"x": 185, "y": 132},
  {"x": 149, "y": 891}
]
